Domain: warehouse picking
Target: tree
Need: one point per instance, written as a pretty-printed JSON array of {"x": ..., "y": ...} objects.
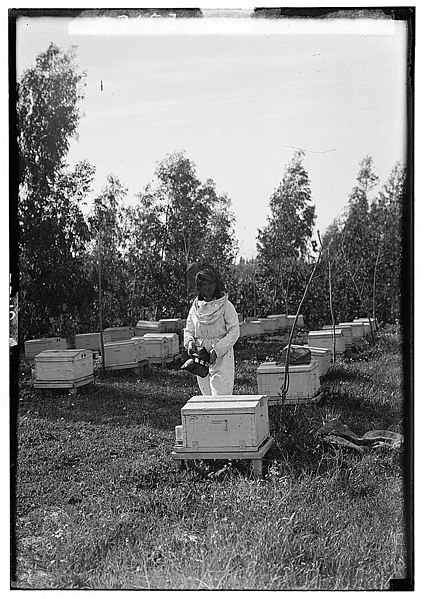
[
  {"x": 285, "y": 243},
  {"x": 386, "y": 221},
  {"x": 196, "y": 224},
  {"x": 53, "y": 232},
  {"x": 106, "y": 223}
]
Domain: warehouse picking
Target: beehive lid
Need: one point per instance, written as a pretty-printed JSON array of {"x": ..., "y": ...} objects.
[
  {"x": 43, "y": 340},
  {"x": 160, "y": 336},
  {"x": 277, "y": 315},
  {"x": 350, "y": 324},
  {"x": 211, "y": 398},
  {"x": 122, "y": 342},
  {"x": 218, "y": 404},
  {"x": 118, "y": 329},
  {"x": 173, "y": 320},
  {"x": 148, "y": 323},
  {"x": 325, "y": 333},
  {"x": 272, "y": 368},
  {"x": 61, "y": 355},
  {"x": 318, "y": 350},
  {"x": 155, "y": 338},
  {"x": 313, "y": 350}
]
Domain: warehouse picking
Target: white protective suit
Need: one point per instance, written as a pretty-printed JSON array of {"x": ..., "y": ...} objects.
[{"x": 214, "y": 325}]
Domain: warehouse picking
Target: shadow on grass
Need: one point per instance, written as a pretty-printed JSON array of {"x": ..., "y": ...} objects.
[{"x": 118, "y": 398}]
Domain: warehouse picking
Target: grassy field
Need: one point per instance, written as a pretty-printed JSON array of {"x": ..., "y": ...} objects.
[{"x": 99, "y": 504}]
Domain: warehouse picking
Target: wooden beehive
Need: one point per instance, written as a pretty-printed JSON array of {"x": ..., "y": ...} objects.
[
  {"x": 113, "y": 334},
  {"x": 281, "y": 319},
  {"x": 147, "y": 326},
  {"x": 325, "y": 339},
  {"x": 268, "y": 324},
  {"x": 366, "y": 321},
  {"x": 66, "y": 369},
  {"x": 90, "y": 341},
  {"x": 121, "y": 354},
  {"x": 321, "y": 355},
  {"x": 172, "y": 325},
  {"x": 357, "y": 329},
  {"x": 292, "y": 317},
  {"x": 157, "y": 348},
  {"x": 253, "y": 327},
  {"x": 304, "y": 381},
  {"x": 346, "y": 330},
  {"x": 243, "y": 329},
  {"x": 33, "y": 347},
  {"x": 141, "y": 348},
  {"x": 224, "y": 423},
  {"x": 172, "y": 342}
]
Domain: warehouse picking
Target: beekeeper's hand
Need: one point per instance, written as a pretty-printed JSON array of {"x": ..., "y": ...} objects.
[
  {"x": 213, "y": 357},
  {"x": 192, "y": 348}
]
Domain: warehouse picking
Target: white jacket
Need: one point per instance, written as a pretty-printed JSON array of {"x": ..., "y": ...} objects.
[{"x": 213, "y": 325}]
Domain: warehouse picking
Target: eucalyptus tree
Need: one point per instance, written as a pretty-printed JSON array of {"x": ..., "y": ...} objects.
[
  {"x": 284, "y": 244},
  {"x": 52, "y": 230}
]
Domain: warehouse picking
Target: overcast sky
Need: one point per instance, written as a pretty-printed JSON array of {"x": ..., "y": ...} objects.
[{"x": 235, "y": 102}]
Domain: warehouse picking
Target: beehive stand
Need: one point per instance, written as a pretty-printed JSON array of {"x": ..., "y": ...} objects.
[
  {"x": 137, "y": 367},
  {"x": 276, "y": 400},
  {"x": 256, "y": 457}
]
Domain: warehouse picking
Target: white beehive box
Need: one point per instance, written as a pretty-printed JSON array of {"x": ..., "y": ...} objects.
[
  {"x": 325, "y": 339},
  {"x": 321, "y": 355},
  {"x": 33, "y": 347},
  {"x": 90, "y": 341},
  {"x": 147, "y": 326},
  {"x": 66, "y": 368},
  {"x": 225, "y": 423},
  {"x": 292, "y": 317},
  {"x": 346, "y": 330},
  {"x": 253, "y": 327},
  {"x": 113, "y": 334},
  {"x": 357, "y": 329},
  {"x": 243, "y": 329},
  {"x": 157, "y": 348},
  {"x": 172, "y": 325},
  {"x": 122, "y": 354},
  {"x": 304, "y": 381},
  {"x": 172, "y": 342},
  {"x": 268, "y": 324},
  {"x": 365, "y": 321},
  {"x": 281, "y": 319},
  {"x": 140, "y": 348}
]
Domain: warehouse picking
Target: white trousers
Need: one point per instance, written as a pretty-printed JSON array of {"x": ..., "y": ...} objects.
[{"x": 220, "y": 380}]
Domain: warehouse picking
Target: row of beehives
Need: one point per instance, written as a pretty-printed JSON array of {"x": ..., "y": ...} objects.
[
  {"x": 304, "y": 380},
  {"x": 70, "y": 368},
  {"x": 92, "y": 341}
]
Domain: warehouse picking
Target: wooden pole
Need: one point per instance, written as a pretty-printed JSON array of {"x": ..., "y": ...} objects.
[{"x": 100, "y": 301}]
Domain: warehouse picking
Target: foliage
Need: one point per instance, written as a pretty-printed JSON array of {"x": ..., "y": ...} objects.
[
  {"x": 106, "y": 219},
  {"x": 53, "y": 232},
  {"x": 193, "y": 222},
  {"x": 284, "y": 244},
  {"x": 364, "y": 249}
]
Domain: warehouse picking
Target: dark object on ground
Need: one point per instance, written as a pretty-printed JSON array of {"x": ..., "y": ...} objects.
[{"x": 297, "y": 355}]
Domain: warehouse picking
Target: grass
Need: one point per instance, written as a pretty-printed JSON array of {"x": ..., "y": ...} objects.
[{"x": 99, "y": 504}]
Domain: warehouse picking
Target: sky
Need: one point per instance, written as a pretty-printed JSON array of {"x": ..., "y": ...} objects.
[{"x": 238, "y": 100}]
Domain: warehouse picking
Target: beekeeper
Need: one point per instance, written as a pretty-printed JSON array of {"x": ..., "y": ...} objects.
[{"x": 212, "y": 323}]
